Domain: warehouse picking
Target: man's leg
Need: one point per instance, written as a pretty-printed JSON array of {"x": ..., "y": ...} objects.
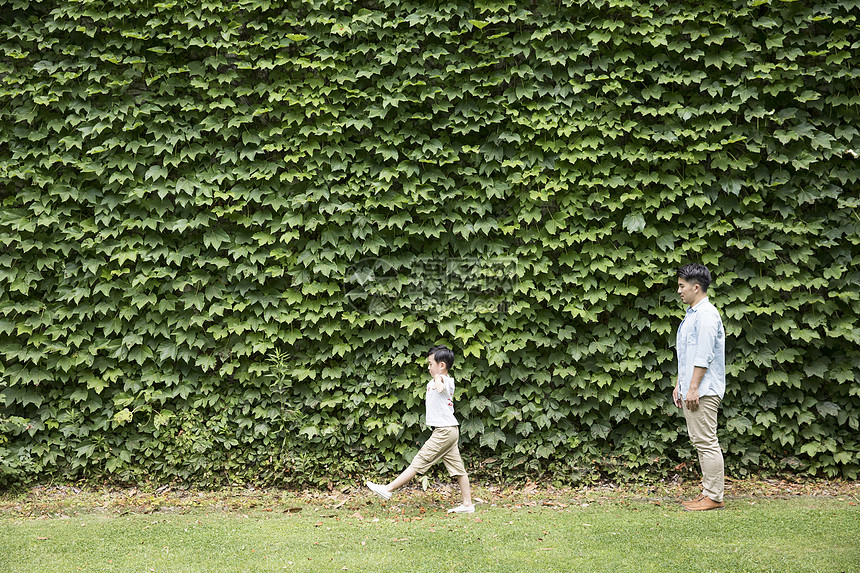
[{"x": 702, "y": 427}]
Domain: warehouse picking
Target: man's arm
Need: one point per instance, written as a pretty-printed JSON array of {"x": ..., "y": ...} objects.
[
  {"x": 708, "y": 331},
  {"x": 692, "y": 398},
  {"x": 706, "y": 340}
]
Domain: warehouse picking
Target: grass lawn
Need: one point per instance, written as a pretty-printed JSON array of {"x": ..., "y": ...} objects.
[{"x": 562, "y": 532}]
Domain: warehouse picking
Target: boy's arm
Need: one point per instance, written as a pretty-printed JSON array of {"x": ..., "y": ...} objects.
[{"x": 440, "y": 385}]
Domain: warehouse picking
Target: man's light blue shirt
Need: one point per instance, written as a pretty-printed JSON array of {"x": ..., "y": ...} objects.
[{"x": 701, "y": 341}]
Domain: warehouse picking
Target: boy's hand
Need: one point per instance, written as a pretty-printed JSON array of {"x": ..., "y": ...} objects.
[{"x": 438, "y": 383}]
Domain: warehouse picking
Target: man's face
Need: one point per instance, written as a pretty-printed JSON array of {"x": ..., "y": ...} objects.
[
  {"x": 688, "y": 291},
  {"x": 433, "y": 366}
]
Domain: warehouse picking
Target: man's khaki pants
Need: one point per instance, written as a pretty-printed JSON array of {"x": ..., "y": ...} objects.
[{"x": 702, "y": 427}]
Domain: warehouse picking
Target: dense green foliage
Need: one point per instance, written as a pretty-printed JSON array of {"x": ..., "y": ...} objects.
[{"x": 228, "y": 231}]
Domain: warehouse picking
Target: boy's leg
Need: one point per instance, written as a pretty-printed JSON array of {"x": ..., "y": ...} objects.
[
  {"x": 454, "y": 462},
  {"x": 402, "y": 479},
  {"x": 465, "y": 489},
  {"x": 428, "y": 455},
  {"x": 385, "y": 491}
]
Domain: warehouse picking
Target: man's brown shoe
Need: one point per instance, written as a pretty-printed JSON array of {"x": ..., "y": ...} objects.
[
  {"x": 704, "y": 505},
  {"x": 696, "y": 499}
]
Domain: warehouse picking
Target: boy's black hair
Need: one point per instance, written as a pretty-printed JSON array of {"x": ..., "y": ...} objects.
[
  {"x": 442, "y": 353},
  {"x": 696, "y": 273}
]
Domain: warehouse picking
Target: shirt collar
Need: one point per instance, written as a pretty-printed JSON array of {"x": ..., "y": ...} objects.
[{"x": 698, "y": 304}]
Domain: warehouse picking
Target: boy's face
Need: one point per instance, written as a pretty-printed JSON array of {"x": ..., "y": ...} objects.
[{"x": 436, "y": 367}]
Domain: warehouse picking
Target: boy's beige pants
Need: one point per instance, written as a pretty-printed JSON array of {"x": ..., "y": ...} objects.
[
  {"x": 702, "y": 427},
  {"x": 442, "y": 445}
]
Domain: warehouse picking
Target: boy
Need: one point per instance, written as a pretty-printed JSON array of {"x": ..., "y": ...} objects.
[{"x": 442, "y": 444}]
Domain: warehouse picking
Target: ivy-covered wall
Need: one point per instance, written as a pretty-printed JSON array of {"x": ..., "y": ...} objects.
[{"x": 230, "y": 229}]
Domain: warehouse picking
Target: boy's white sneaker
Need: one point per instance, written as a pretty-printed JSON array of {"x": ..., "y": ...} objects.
[
  {"x": 378, "y": 490},
  {"x": 462, "y": 509}
]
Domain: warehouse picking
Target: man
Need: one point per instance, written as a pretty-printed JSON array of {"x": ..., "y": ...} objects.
[{"x": 701, "y": 384}]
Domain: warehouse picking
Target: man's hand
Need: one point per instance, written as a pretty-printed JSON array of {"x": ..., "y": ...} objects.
[
  {"x": 692, "y": 399},
  {"x": 676, "y": 397}
]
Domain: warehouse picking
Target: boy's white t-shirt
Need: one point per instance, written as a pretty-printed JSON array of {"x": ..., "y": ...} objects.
[{"x": 440, "y": 405}]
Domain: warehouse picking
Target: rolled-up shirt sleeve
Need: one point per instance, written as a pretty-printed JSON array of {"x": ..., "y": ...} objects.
[{"x": 708, "y": 332}]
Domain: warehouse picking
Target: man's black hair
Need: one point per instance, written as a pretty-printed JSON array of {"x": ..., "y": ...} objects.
[
  {"x": 442, "y": 353},
  {"x": 696, "y": 273}
]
